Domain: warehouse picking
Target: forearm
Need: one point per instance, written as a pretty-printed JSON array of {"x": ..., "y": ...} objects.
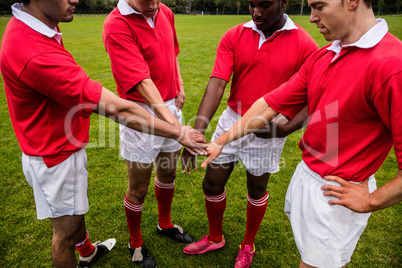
[
  {"x": 387, "y": 195},
  {"x": 297, "y": 122},
  {"x": 259, "y": 114},
  {"x": 209, "y": 103},
  {"x": 134, "y": 116},
  {"x": 153, "y": 99}
]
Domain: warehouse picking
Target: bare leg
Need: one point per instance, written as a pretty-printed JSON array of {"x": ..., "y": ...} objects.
[
  {"x": 166, "y": 166},
  {"x": 139, "y": 176},
  {"x": 67, "y": 231},
  {"x": 257, "y": 185},
  {"x": 216, "y": 177}
]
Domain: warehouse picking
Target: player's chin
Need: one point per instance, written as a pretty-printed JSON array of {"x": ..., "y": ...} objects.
[
  {"x": 68, "y": 18},
  {"x": 329, "y": 37}
]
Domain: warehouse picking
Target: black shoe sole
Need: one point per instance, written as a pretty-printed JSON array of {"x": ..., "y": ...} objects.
[{"x": 174, "y": 234}]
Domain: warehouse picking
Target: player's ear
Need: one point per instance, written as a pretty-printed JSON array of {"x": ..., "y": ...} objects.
[
  {"x": 283, "y": 3},
  {"x": 352, "y": 4}
]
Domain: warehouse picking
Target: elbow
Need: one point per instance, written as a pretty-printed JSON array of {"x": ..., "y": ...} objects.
[{"x": 115, "y": 111}]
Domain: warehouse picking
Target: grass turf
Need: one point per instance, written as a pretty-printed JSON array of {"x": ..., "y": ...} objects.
[{"x": 26, "y": 241}]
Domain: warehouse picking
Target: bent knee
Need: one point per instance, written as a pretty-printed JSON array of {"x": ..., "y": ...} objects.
[
  {"x": 166, "y": 176},
  {"x": 256, "y": 192},
  {"x": 137, "y": 193},
  {"x": 210, "y": 187}
]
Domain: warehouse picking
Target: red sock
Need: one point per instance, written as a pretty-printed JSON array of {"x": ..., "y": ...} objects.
[
  {"x": 85, "y": 248},
  {"x": 216, "y": 205},
  {"x": 133, "y": 216},
  {"x": 164, "y": 194},
  {"x": 255, "y": 213}
]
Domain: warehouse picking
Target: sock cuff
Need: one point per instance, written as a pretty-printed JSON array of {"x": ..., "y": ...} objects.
[
  {"x": 131, "y": 206},
  {"x": 216, "y": 198},
  {"x": 167, "y": 186},
  {"x": 258, "y": 202},
  {"x": 84, "y": 241}
]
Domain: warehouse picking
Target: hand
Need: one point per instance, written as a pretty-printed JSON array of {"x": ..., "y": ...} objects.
[
  {"x": 213, "y": 150},
  {"x": 193, "y": 140},
  {"x": 186, "y": 158},
  {"x": 353, "y": 196},
  {"x": 180, "y": 98}
]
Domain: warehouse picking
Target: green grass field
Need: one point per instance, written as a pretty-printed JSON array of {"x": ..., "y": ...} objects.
[{"x": 26, "y": 241}]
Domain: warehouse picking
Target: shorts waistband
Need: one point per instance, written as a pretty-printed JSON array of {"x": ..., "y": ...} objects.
[
  {"x": 322, "y": 180},
  {"x": 33, "y": 158},
  {"x": 40, "y": 158},
  {"x": 316, "y": 176}
]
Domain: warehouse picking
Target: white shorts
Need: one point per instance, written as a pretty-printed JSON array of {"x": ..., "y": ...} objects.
[
  {"x": 325, "y": 235},
  {"x": 258, "y": 155},
  {"x": 60, "y": 190},
  {"x": 141, "y": 147}
]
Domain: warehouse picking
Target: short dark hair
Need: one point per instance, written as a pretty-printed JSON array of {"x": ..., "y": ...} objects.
[{"x": 368, "y": 3}]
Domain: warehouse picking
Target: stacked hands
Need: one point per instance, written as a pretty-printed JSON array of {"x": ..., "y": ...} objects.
[
  {"x": 353, "y": 196},
  {"x": 195, "y": 144}
]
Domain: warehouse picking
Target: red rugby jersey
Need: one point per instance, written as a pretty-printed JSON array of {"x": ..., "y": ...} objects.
[
  {"x": 137, "y": 52},
  {"x": 354, "y": 107},
  {"x": 50, "y": 97},
  {"x": 257, "y": 71}
]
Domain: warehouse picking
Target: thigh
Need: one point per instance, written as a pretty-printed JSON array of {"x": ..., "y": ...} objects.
[
  {"x": 171, "y": 145},
  {"x": 325, "y": 235},
  {"x": 257, "y": 185},
  {"x": 59, "y": 190},
  {"x": 139, "y": 176},
  {"x": 216, "y": 177},
  {"x": 136, "y": 146},
  {"x": 165, "y": 166},
  {"x": 261, "y": 156}
]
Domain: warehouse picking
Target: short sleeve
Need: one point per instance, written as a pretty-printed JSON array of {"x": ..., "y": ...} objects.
[
  {"x": 224, "y": 61},
  {"x": 387, "y": 103},
  {"x": 58, "y": 77},
  {"x": 128, "y": 64},
  {"x": 176, "y": 42}
]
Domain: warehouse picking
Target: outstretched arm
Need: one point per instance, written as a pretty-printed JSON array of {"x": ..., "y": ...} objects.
[
  {"x": 358, "y": 198},
  {"x": 257, "y": 116},
  {"x": 134, "y": 116}
]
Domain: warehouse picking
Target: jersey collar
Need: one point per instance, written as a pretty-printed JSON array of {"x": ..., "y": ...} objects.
[
  {"x": 368, "y": 40},
  {"x": 34, "y": 23},
  {"x": 289, "y": 25},
  {"x": 125, "y": 9}
]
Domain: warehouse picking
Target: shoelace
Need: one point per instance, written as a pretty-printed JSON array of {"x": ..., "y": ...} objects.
[
  {"x": 200, "y": 245},
  {"x": 244, "y": 257}
]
